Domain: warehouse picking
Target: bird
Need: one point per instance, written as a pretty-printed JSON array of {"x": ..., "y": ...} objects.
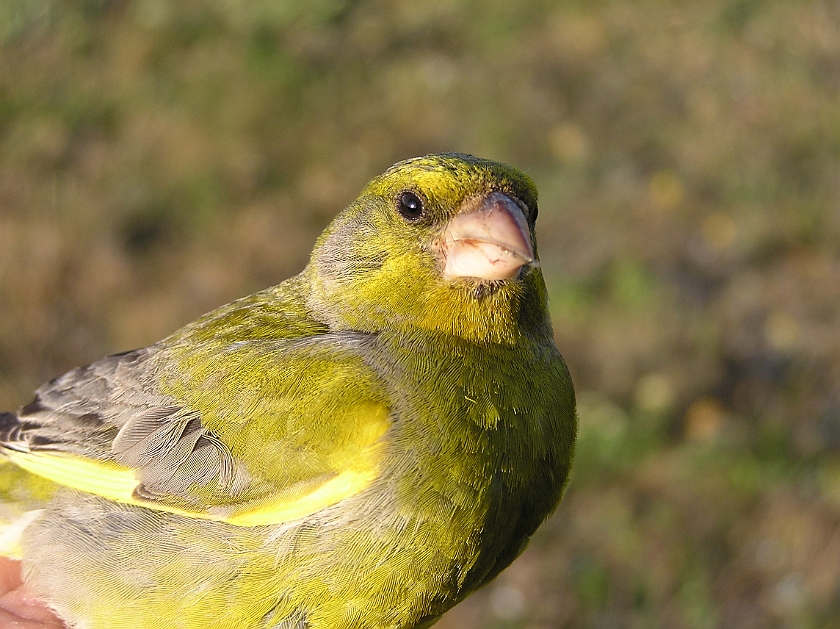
[{"x": 358, "y": 447}]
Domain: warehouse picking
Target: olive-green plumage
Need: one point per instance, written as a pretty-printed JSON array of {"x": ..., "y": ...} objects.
[{"x": 360, "y": 446}]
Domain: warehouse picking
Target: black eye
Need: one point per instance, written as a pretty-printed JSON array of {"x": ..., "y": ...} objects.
[{"x": 410, "y": 206}]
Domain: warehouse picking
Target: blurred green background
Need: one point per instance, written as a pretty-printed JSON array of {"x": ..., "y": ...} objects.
[{"x": 160, "y": 158}]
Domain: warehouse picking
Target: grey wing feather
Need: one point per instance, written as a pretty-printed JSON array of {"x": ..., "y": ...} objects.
[
  {"x": 82, "y": 411},
  {"x": 109, "y": 410}
]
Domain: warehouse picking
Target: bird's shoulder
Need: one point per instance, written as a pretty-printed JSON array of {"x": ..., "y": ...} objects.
[{"x": 254, "y": 414}]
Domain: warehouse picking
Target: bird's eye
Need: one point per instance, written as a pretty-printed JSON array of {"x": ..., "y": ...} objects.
[{"x": 410, "y": 206}]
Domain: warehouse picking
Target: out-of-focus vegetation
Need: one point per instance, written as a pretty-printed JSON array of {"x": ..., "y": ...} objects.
[{"x": 159, "y": 158}]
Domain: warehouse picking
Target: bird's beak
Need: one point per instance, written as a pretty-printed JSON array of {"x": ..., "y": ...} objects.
[{"x": 491, "y": 242}]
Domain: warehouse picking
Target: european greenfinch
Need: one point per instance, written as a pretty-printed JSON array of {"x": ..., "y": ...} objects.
[{"x": 360, "y": 446}]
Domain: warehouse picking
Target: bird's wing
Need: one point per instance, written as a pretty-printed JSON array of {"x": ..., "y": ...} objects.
[{"x": 251, "y": 432}]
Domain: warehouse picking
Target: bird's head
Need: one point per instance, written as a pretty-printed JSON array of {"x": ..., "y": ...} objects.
[{"x": 442, "y": 243}]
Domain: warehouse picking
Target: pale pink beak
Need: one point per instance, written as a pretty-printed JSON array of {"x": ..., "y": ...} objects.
[{"x": 491, "y": 242}]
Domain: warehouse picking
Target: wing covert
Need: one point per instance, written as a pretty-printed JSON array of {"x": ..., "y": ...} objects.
[{"x": 250, "y": 432}]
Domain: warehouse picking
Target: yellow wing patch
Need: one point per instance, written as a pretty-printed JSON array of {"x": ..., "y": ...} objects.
[
  {"x": 102, "y": 478},
  {"x": 338, "y": 488},
  {"x": 116, "y": 482}
]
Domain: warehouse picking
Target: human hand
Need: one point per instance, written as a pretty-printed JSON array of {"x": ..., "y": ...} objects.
[{"x": 18, "y": 608}]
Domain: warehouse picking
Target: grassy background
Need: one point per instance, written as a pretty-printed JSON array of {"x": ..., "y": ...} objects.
[{"x": 160, "y": 158}]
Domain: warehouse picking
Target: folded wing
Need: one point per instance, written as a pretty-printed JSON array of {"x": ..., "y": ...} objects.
[{"x": 249, "y": 432}]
